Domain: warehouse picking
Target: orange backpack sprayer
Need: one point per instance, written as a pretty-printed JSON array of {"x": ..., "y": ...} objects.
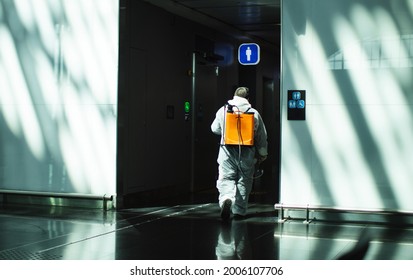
[
  {"x": 239, "y": 131},
  {"x": 239, "y": 127}
]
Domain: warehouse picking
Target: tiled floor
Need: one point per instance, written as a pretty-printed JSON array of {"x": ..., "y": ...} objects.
[{"x": 187, "y": 231}]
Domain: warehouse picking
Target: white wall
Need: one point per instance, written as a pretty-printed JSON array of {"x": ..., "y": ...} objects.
[
  {"x": 355, "y": 61},
  {"x": 58, "y": 97}
]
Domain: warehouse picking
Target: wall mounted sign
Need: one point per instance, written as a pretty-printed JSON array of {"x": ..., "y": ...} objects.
[
  {"x": 296, "y": 105},
  {"x": 249, "y": 54}
]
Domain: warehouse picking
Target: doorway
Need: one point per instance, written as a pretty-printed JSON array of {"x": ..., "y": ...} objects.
[
  {"x": 271, "y": 116},
  {"x": 205, "y": 150}
]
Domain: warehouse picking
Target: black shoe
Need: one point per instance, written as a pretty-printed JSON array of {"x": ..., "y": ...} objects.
[{"x": 226, "y": 209}]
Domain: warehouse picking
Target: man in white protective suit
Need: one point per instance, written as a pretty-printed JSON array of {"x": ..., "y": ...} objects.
[{"x": 236, "y": 163}]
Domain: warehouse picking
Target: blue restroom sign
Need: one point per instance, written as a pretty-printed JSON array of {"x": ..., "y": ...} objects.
[
  {"x": 296, "y": 105},
  {"x": 249, "y": 54}
]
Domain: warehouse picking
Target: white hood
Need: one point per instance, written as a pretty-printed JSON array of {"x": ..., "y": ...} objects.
[{"x": 241, "y": 103}]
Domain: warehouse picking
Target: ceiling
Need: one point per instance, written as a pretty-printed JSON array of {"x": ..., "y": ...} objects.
[{"x": 250, "y": 20}]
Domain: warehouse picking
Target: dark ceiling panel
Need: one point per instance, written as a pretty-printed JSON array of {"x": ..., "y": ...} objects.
[
  {"x": 243, "y": 15},
  {"x": 258, "y": 18},
  {"x": 226, "y": 3}
]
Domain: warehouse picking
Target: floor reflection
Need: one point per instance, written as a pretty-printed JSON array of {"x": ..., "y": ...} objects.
[
  {"x": 191, "y": 232},
  {"x": 233, "y": 241}
]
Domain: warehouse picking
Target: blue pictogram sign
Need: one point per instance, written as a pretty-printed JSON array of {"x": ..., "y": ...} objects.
[
  {"x": 249, "y": 54},
  {"x": 296, "y": 105}
]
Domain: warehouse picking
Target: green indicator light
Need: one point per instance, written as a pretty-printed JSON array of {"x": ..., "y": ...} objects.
[{"x": 187, "y": 107}]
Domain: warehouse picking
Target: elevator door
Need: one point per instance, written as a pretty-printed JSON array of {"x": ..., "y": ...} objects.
[{"x": 206, "y": 144}]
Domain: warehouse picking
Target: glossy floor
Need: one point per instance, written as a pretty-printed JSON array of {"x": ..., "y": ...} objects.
[{"x": 185, "y": 231}]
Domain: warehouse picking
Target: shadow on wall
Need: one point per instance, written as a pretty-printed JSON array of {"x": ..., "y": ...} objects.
[{"x": 59, "y": 83}]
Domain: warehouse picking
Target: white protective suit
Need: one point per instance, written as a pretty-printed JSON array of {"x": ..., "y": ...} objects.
[{"x": 237, "y": 163}]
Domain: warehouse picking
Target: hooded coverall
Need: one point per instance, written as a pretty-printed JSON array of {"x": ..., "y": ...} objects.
[{"x": 236, "y": 163}]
